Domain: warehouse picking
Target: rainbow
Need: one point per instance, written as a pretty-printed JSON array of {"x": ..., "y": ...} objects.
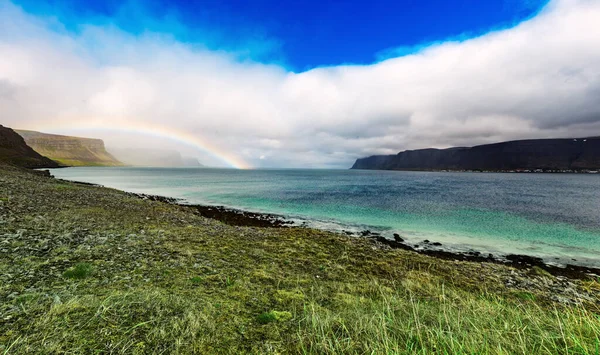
[{"x": 153, "y": 130}]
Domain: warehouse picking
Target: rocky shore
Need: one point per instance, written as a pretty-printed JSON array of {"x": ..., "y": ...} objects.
[
  {"x": 236, "y": 217},
  {"x": 513, "y": 260},
  {"x": 533, "y": 272}
]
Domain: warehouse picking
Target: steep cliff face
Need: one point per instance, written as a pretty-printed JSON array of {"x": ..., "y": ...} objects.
[
  {"x": 15, "y": 151},
  {"x": 71, "y": 151},
  {"x": 547, "y": 154}
]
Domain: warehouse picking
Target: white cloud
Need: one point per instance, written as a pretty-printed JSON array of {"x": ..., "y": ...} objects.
[{"x": 538, "y": 79}]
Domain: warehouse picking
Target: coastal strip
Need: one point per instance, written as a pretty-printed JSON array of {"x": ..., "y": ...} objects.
[
  {"x": 238, "y": 217},
  {"x": 89, "y": 269}
]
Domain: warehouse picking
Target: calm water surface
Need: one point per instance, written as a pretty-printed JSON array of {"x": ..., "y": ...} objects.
[{"x": 555, "y": 216}]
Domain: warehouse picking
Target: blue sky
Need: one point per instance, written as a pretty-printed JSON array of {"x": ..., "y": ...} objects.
[{"x": 299, "y": 35}]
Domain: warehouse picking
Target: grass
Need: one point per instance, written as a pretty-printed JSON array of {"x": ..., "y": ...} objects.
[
  {"x": 400, "y": 322},
  {"x": 82, "y": 276},
  {"x": 274, "y": 316},
  {"x": 98, "y": 162},
  {"x": 389, "y": 321},
  {"x": 79, "y": 271},
  {"x": 196, "y": 280}
]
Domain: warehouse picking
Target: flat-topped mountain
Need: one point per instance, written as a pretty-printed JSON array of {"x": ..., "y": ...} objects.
[
  {"x": 15, "y": 151},
  {"x": 545, "y": 154},
  {"x": 71, "y": 151},
  {"x": 153, "y": 157}
]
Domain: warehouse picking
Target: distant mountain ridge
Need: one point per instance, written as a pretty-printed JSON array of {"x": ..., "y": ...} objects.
[
  {"x": 14, "y": 151},
  {"x": 545, "y": 154},
  {"x": 153, "y": 157},
  {"x": 70, "y": 151}
]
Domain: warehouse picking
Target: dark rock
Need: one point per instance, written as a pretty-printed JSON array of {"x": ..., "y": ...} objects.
[
  {"x": 45, "y": 173},
  {"x": 90, "y": 184},
  {"x": 240, "y": 218},
  {"x": 437, "y": 244},
  {"x": 393, "y": 244},
  {"x": 525, "y": 259},
  {"x": 157, "y": 198},
  {"x": 398, "y": 238},
  {"x": 426, "y": 241}
]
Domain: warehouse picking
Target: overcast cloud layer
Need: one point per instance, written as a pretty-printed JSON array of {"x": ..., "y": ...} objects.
[{"x": 538, "y": 79}]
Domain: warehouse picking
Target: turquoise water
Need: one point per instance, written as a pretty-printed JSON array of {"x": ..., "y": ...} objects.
[{"x": 555, "y": 216}]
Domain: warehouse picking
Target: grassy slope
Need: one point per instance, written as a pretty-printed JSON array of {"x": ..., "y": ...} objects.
[
  {"x": 87, "y": 269},
  {"x": 82, "y": 156}
]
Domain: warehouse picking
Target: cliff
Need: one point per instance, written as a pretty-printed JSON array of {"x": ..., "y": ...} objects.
[
  {"x": 545, "y": 154},
  {"x": 153, "y": 157},
  {"x": 71, "y": 151},
  {"x": 14, "y": 150}
]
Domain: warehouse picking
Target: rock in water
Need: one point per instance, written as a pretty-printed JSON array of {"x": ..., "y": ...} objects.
[{"x": 398, "y": 238}]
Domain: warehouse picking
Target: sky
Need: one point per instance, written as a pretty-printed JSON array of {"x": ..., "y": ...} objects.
[
  {"x": 301, "y": 84},
  {"x": 299, "y": 35}
]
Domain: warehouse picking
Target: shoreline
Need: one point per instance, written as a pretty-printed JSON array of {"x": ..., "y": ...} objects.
[{"x": 243, "y": 218}]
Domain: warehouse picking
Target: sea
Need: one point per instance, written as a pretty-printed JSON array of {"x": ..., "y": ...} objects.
[{"x": 552, "y": 216}]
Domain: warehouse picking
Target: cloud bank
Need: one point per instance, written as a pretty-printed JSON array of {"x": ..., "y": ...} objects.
[{"x": 538, "y": 79}]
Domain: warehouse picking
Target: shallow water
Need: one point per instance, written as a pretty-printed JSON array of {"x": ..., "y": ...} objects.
[{"x": 555, "y": 216}]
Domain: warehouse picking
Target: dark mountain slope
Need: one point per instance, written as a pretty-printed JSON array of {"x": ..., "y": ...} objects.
[
  {"x": 547, "y": 154},
  {"x": 14, "y": 150}
]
